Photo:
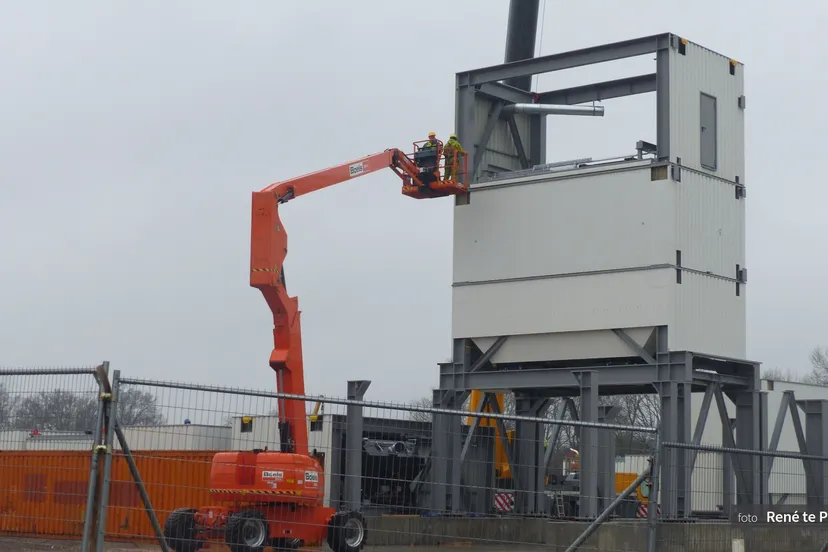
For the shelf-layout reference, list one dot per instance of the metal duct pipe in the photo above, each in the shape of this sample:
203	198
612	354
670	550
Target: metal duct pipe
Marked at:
547	109
520	37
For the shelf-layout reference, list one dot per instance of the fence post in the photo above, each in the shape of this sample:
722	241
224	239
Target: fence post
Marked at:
90	530
142	490
353	444
653	502
110	414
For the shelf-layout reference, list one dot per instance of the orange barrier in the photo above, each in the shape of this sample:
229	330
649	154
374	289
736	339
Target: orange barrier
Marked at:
43	493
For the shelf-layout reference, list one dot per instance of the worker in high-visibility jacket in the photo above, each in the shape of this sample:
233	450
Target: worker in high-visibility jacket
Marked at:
432	141
452	151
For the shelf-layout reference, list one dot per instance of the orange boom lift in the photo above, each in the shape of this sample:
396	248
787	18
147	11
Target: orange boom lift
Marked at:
268	498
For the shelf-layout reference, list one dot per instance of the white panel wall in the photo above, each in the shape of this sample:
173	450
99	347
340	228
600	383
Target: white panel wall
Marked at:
600	301
584	251
710	224
564	225
265	433
178	437
709	317
702	70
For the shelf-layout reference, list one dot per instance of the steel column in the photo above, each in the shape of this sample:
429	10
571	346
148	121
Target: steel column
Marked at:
353	444
529	455
606	464
749	437
588	446
816	436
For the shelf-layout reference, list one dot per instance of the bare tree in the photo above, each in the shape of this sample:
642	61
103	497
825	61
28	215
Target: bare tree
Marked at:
778	374
138	408
61	410
819	367
6	407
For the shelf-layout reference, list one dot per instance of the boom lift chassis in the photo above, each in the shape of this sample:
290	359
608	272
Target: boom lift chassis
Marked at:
276	499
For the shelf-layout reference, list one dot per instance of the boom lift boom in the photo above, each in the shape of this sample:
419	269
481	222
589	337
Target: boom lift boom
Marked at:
270	498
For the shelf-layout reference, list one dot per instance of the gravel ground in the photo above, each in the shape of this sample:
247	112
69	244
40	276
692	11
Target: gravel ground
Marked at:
40	545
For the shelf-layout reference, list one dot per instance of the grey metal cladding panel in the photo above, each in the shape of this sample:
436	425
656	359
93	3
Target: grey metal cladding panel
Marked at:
703	71
565	225
500	153
709	317
710	224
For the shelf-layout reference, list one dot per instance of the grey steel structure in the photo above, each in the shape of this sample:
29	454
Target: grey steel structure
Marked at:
648	368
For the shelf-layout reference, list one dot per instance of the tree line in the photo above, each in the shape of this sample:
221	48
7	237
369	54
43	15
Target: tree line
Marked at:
61	410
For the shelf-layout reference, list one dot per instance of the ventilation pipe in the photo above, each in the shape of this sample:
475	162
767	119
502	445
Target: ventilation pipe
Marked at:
548	109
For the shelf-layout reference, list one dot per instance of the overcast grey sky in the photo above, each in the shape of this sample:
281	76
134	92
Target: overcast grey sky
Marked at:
131	136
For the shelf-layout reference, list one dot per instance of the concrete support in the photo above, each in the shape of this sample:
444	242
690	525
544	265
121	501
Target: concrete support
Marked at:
606	461
529	466
816	438
588	445
353	445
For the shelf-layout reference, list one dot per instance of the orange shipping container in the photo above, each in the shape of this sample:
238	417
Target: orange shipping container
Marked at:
43	493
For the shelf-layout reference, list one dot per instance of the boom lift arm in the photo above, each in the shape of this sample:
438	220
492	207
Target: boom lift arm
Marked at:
422	179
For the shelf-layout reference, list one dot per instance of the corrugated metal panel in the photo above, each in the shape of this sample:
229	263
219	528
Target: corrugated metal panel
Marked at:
565	225
709	317
710	224
501	153
702	70
600	301
44	493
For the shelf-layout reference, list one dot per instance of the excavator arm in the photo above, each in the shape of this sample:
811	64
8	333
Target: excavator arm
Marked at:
268	249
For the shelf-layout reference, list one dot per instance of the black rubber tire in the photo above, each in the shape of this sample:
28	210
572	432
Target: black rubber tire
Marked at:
234	532
180	531
285	545
338	532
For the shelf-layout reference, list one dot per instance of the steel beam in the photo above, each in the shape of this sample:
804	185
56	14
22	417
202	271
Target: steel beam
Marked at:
701	422
567	60
480	145
475	422
483	361
633	346
504	92
353	445
524	161
729	442
540	378
599	91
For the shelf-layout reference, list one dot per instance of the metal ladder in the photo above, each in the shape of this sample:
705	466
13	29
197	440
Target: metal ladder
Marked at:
557	498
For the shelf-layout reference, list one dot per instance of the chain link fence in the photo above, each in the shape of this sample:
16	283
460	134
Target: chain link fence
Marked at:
94	458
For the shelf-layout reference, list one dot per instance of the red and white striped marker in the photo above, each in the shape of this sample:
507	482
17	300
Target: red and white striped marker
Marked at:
642	511
504	502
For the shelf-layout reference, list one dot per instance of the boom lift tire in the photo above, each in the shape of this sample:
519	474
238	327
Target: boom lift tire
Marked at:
247	531
285	545
347	532
180	531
